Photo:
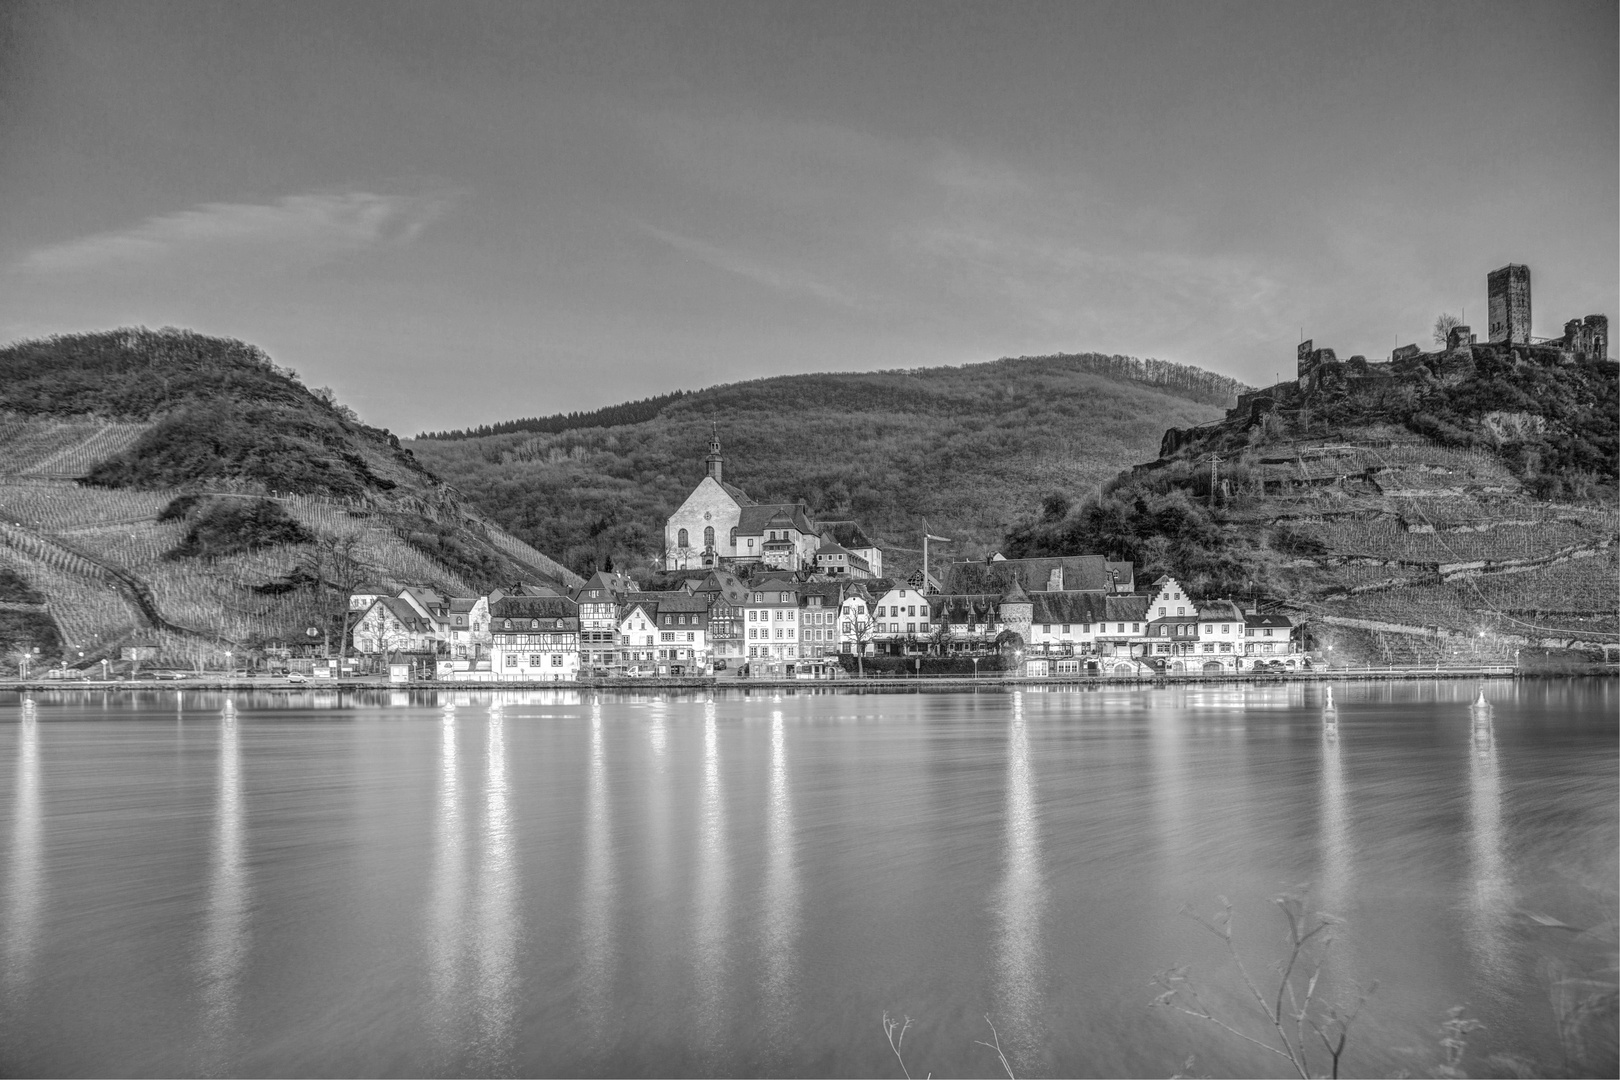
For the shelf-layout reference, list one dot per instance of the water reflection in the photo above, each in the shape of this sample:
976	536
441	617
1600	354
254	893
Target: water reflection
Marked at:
495	993
596	891
1490	899
709	936
26	878
225	933
781	902
447	921
1022	895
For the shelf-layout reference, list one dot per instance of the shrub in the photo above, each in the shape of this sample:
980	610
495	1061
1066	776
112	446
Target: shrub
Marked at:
226	526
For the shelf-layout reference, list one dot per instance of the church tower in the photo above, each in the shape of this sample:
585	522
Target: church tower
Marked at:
1508	298
714	460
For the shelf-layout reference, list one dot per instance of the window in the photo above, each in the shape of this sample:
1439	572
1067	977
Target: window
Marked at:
534	624
506	624
751	614
912	610
1268	631
534	659
1046	628
1226	628
1136	628
680	539
708	536
1209	628
1121	629
1209	648
1161	613
734	536
1181	611
759	598
1065	628
511	660
785	598
461	620
750	543
556	659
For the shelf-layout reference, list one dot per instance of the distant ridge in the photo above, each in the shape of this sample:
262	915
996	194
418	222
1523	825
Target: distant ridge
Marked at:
1184	380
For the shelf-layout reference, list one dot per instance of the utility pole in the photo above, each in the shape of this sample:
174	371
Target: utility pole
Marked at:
1214	471
927	536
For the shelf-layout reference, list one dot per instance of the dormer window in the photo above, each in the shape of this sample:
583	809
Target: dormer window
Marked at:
506	624
534	624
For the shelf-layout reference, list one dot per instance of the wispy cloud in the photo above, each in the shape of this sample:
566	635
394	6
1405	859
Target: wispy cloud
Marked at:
301	229
777	277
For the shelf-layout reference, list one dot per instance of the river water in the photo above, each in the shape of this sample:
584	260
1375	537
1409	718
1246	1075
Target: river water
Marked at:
744	883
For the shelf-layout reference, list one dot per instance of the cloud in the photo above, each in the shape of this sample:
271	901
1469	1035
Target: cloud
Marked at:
775	277
297	229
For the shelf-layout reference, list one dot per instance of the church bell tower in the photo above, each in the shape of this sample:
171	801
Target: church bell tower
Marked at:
714	460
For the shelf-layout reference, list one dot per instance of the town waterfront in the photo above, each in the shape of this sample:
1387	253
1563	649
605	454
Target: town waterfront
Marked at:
567	882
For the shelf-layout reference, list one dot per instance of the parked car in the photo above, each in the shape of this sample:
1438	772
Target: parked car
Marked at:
297	677
171	674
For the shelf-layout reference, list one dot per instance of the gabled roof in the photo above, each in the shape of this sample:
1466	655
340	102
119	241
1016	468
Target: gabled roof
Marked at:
408	616
737	493
725	583
756	518
647	603
964	607
1070	607
1077	573
849	534
829	548
463	604
610	582
534	607
682	603
1220	609
1131	608
1267	620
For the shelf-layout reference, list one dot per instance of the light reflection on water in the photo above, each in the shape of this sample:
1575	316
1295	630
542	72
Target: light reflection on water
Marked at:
27	887
225	935
1022	896
743	883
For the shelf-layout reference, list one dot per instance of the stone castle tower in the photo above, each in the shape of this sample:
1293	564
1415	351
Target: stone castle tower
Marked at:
1508	297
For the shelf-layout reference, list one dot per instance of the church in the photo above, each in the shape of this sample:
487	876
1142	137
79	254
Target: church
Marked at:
719	525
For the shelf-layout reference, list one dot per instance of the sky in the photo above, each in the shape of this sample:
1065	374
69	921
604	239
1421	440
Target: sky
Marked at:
462	213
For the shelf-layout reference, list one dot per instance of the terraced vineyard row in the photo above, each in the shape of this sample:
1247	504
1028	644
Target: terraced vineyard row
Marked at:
90	613
54	506
66	448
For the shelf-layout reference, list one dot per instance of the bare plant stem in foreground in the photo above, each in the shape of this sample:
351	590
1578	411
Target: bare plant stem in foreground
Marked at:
895	1030
996	1046
1296	1014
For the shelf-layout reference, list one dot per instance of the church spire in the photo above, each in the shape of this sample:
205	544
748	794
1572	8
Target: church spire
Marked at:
715	461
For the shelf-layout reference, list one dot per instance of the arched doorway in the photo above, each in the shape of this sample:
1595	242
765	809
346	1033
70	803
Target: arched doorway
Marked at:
1212	666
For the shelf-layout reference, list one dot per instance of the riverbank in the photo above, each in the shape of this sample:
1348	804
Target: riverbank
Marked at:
879	683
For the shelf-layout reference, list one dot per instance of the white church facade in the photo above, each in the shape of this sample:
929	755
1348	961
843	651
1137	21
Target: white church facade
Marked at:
719	524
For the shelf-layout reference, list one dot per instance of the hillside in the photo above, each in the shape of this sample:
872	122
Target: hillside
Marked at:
1459	501
170	486
963	448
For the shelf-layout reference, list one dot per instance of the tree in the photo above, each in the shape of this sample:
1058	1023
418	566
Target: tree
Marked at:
861	628
1443	327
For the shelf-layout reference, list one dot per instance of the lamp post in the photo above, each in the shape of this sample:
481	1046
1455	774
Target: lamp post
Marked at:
104	663
230	666
975	667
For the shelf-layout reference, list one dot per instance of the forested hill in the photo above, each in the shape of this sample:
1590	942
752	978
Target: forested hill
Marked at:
1183	380
964	448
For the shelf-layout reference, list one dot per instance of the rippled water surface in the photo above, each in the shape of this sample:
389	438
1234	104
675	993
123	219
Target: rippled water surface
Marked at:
547	883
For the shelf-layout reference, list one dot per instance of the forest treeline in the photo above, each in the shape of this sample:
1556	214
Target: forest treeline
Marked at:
631	412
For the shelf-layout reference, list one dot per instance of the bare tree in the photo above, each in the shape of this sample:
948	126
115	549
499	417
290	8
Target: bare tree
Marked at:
1443	327
1296	1013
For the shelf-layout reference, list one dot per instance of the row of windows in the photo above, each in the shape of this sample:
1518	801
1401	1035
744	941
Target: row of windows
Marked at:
678	620
535	660
763	652
675	635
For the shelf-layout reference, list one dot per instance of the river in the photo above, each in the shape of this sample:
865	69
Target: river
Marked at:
557	883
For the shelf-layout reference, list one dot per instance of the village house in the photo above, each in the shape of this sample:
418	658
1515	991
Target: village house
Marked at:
1268	637
638	636
771	619
534	638
901	621
1221	635
855	624
683	646
391	625
725	595
599	599
835	560
853	539
820	604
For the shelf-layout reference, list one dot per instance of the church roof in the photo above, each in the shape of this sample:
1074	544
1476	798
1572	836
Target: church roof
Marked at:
757	518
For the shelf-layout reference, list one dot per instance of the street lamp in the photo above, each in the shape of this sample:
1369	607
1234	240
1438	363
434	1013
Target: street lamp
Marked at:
230	666
975	667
